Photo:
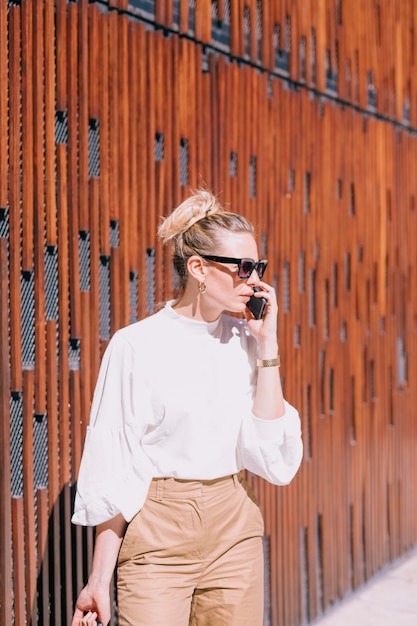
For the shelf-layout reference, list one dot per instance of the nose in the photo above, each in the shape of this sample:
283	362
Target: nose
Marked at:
253	278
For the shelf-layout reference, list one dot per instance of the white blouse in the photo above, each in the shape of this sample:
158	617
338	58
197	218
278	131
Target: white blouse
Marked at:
174	399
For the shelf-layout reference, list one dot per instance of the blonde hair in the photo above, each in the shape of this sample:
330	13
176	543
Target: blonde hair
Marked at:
195	227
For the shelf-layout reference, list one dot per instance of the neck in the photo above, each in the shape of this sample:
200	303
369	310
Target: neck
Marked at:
196	307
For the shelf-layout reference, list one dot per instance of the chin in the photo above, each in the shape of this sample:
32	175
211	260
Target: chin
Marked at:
236	309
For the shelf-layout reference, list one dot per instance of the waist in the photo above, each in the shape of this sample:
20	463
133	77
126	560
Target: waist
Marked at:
164	487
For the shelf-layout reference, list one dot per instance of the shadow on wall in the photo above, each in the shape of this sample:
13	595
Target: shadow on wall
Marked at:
65	555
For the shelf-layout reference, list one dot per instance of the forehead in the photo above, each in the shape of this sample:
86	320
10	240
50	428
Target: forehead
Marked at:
237	245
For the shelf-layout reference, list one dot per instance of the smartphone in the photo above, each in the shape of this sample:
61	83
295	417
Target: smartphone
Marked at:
256	305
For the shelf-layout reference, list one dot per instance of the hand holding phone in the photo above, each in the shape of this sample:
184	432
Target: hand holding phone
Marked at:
256	305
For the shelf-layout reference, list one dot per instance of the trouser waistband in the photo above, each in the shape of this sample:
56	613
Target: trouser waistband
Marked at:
176	487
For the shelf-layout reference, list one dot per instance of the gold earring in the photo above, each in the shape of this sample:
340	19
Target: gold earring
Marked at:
202	288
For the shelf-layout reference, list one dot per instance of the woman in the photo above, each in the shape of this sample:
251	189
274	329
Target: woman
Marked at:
184	400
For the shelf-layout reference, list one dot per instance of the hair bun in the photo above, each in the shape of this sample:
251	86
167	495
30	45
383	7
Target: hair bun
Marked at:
198	206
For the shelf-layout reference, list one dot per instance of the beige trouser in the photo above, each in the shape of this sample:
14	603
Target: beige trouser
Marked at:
193	556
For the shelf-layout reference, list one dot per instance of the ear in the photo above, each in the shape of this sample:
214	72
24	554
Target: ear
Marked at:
196	268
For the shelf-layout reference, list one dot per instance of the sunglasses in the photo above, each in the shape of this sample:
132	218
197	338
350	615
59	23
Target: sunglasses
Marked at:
246	266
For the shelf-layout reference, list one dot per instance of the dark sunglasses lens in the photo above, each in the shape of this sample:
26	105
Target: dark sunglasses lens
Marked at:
246	269
261	268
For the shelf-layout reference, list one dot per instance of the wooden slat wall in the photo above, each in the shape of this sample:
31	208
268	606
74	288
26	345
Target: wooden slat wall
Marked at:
105	122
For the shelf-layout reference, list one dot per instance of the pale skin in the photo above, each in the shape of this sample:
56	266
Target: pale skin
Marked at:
225	291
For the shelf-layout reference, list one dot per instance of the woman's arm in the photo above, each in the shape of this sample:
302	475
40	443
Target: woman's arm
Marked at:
268	401
93	603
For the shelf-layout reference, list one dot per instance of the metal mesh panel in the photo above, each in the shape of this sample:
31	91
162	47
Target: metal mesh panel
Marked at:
191	17
114	234
84	251
133	297
104	297
312	298
145	8
159	147
61	127
307	192
233	164
302	58
286	286
16	444
74	354
246	30
184	162
291	180
252	177
401	363
40	451
281	55
150	280
301	271
264	245
259	28
267	581
220	29
313	55
51	283
304	575
28	320
94	148
4	223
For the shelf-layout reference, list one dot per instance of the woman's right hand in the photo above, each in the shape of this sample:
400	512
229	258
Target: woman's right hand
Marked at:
92	607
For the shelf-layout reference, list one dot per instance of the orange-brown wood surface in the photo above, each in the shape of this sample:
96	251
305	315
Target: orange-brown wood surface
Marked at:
301	117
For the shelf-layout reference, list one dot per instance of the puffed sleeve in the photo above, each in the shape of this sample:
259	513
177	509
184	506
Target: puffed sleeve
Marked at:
272	449
115	472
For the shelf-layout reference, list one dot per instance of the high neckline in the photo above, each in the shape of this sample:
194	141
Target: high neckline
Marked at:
197	325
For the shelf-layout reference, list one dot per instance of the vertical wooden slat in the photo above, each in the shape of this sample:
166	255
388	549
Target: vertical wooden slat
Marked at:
38	216
73	198
14	198
50	192
3	104
27	134
19	606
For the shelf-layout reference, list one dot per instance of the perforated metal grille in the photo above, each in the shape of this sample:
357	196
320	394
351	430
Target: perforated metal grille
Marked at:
51	283
307	192
267	581
220	28
28	320
301	271
252	177
74	354
184	162
84	251
159	147
94	148
191	17
104	297
114	234
150	280
246	30
40	451
312	297
133	297
4	223
233	164
16	444
286	286
61	127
